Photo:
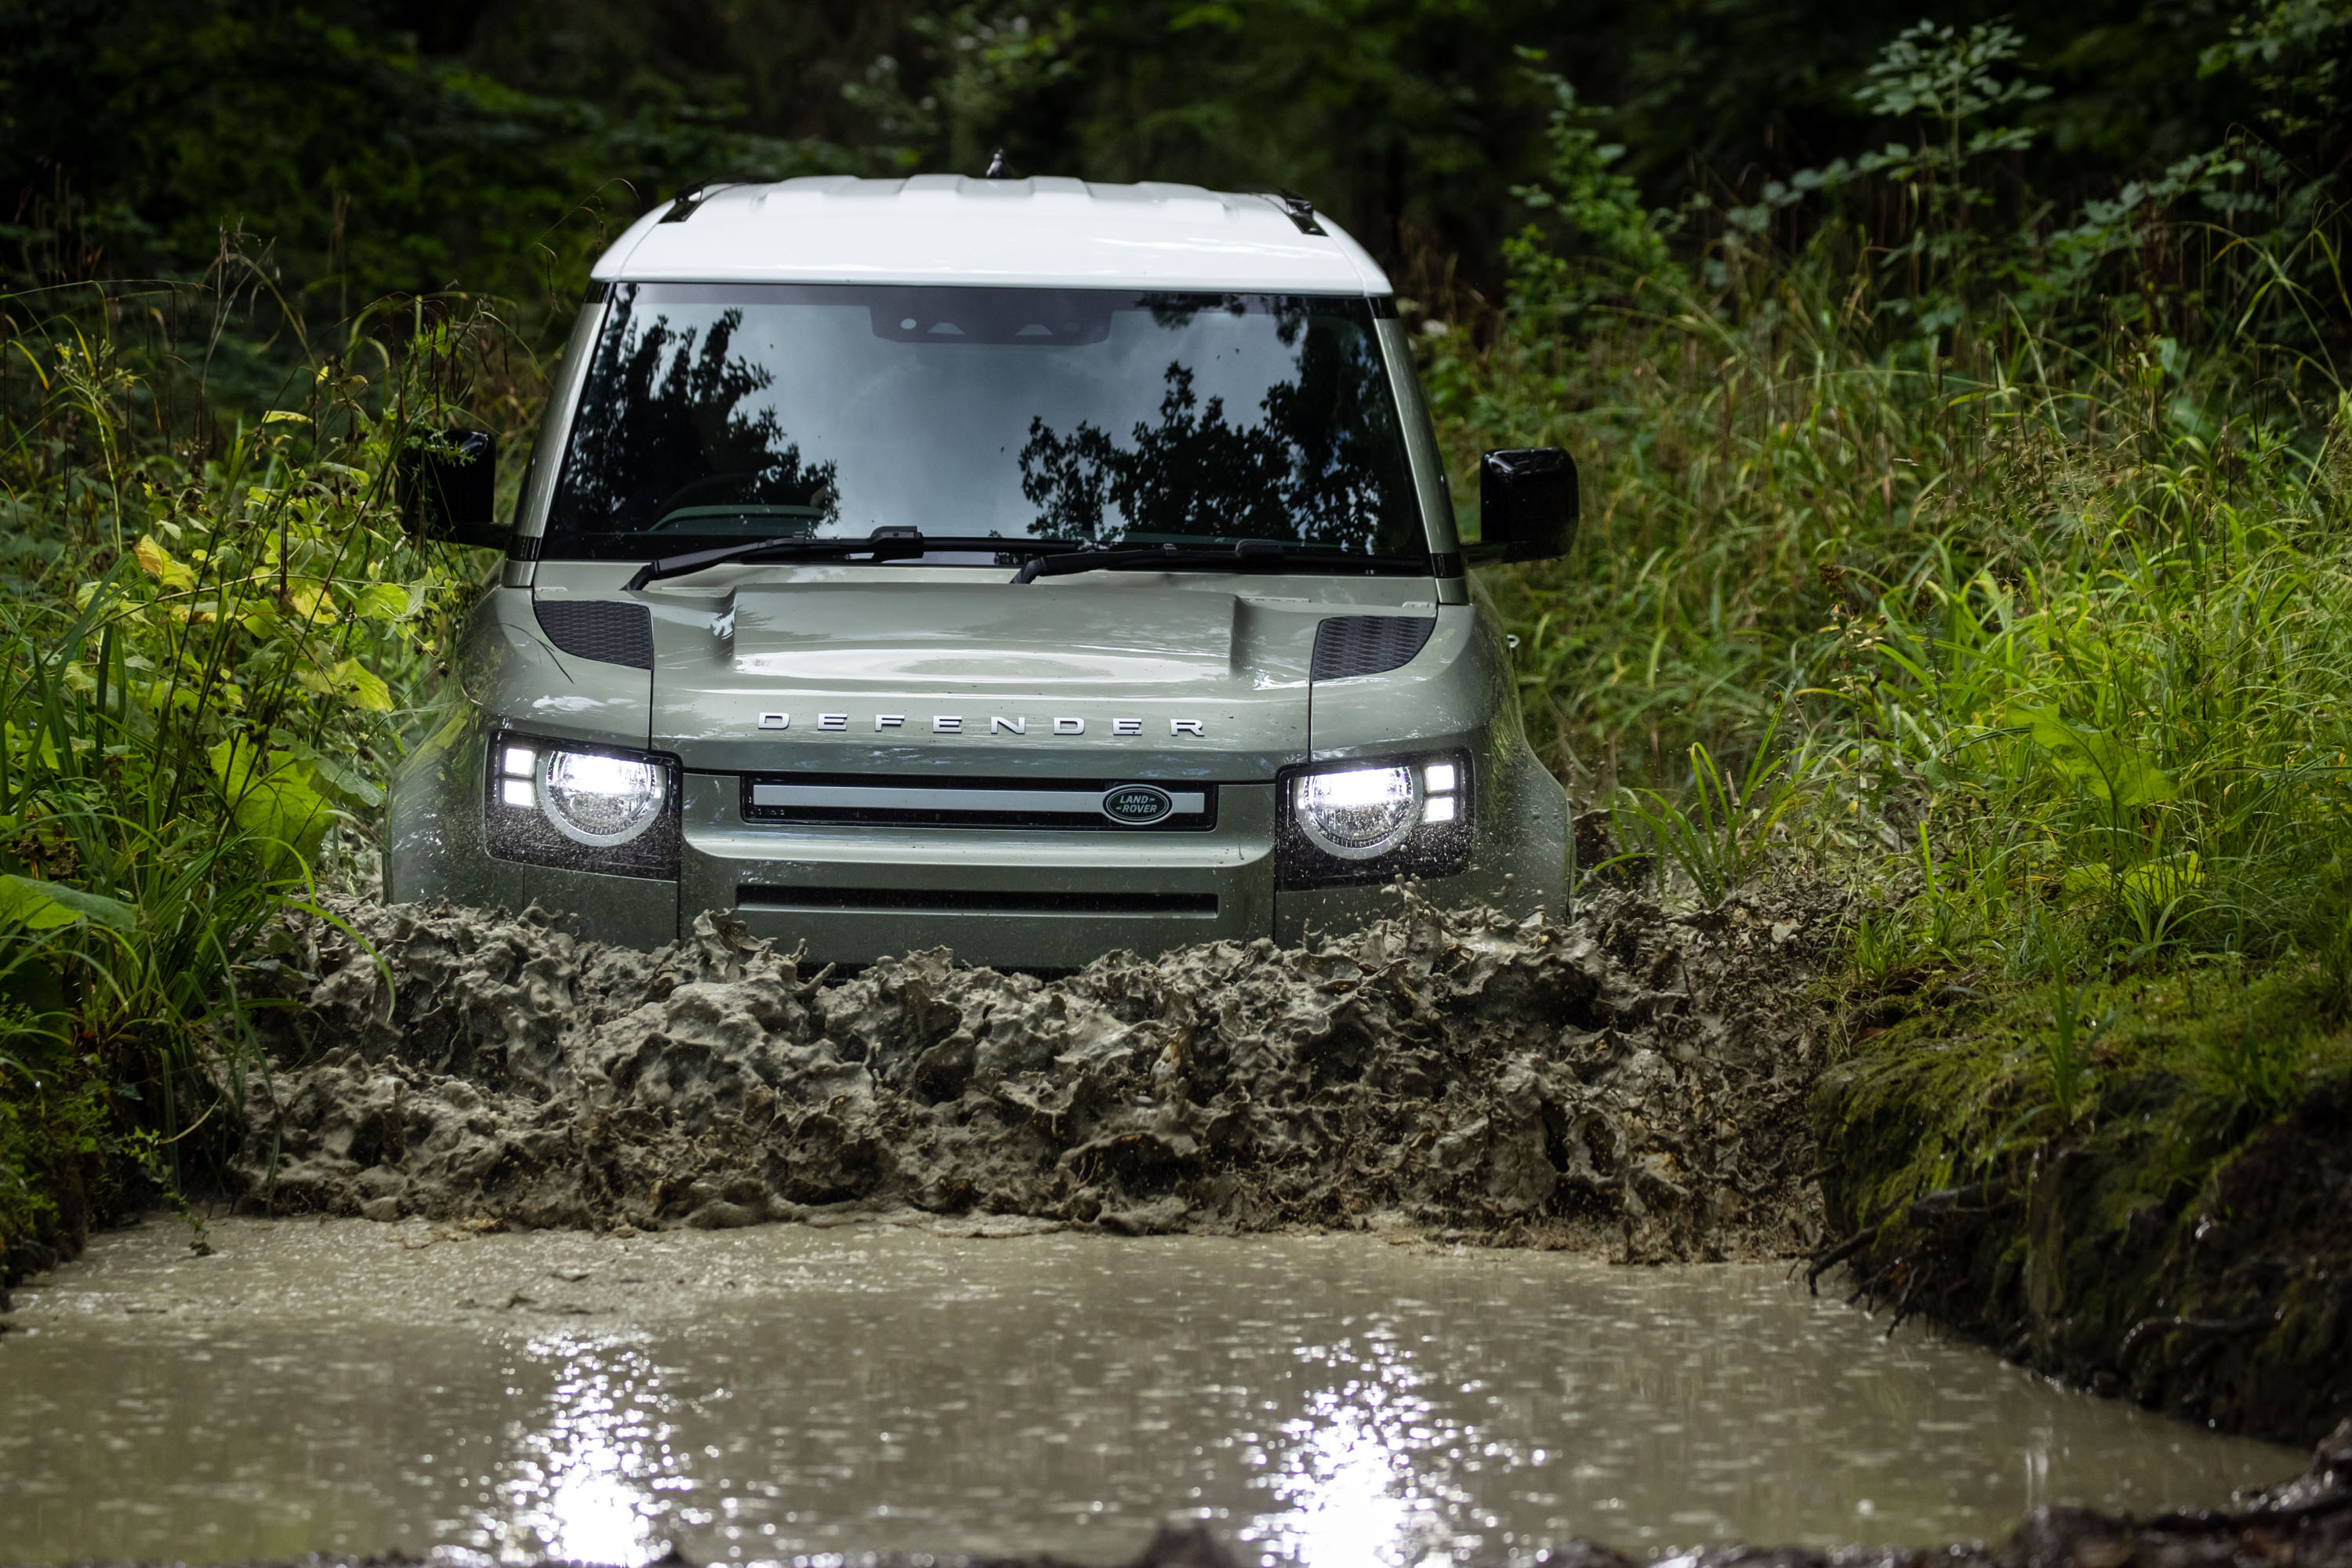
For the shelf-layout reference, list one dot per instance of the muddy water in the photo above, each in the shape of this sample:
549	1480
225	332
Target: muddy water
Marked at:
756	1393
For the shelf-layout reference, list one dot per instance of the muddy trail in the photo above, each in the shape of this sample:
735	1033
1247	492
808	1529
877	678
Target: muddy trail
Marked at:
1630	1081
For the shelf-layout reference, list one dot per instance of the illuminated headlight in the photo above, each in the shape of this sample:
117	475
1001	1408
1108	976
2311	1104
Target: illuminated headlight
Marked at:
601	800
1359	813
1371	820
550	803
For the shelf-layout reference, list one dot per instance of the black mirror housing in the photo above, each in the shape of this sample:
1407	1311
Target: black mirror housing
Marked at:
1527	505
449	487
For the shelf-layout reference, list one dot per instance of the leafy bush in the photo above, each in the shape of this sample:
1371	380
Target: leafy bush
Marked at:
205	662
1985	555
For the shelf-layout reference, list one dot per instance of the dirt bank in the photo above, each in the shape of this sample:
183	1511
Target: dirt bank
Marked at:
1629	1081
2123	1258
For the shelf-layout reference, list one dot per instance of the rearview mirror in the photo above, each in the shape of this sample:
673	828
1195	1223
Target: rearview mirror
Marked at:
448	490
1527	505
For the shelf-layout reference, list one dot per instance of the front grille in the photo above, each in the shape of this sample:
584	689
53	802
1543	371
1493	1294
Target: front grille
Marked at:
972	902
1064	805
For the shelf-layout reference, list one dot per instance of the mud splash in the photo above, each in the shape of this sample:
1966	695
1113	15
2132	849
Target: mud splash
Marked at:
1630	1083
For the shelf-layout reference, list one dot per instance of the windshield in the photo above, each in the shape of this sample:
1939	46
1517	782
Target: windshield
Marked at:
714	415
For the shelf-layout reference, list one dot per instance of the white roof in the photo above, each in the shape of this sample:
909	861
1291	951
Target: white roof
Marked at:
944	228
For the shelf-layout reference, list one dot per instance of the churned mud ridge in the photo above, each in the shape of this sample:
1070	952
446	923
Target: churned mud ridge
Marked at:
1629	1081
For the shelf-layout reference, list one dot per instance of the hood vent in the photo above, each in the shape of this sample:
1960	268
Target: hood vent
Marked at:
1368	644
602	629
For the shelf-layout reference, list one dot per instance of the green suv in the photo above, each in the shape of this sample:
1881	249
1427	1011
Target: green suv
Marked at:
1026	566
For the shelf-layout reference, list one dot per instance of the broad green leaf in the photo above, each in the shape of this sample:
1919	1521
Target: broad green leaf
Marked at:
159	564
2092	758
332	777
363	688
2153	882
44	905
278	803
312	603
2161	881
381	602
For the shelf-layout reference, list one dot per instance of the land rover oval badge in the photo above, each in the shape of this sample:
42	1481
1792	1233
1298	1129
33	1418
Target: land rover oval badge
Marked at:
1137	805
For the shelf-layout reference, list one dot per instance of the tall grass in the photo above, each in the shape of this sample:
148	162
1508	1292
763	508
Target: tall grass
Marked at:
2063	567
2012	590
213	628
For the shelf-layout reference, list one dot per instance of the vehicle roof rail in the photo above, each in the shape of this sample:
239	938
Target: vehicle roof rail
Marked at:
687	200
1295	207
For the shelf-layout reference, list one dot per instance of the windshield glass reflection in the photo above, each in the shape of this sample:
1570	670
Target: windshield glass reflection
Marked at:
716	415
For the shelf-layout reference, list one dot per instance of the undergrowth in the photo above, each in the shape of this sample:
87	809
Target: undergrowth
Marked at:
211	632
1986	557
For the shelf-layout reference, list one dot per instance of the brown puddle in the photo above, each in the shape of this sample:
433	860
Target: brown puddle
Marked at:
757	1393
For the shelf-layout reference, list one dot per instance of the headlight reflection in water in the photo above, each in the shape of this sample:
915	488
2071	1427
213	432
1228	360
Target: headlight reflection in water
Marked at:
1362	1472
583	1483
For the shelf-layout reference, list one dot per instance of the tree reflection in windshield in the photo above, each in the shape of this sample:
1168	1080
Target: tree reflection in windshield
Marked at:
661	412
714	412
1319	468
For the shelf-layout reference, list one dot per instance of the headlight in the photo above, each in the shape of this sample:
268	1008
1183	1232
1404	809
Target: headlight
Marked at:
1369	821
1359	813
551	803
601	800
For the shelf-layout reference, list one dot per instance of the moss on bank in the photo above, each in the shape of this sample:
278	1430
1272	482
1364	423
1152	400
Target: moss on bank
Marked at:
2143	1186
62	1171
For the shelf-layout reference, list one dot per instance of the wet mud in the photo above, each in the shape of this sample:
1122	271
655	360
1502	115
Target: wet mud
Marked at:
1630	1081
2226	1302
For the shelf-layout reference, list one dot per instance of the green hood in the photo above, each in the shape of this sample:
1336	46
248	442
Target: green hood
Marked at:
1097	677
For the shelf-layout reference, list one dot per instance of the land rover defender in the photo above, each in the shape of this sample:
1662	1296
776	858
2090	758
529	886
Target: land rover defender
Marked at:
1031	567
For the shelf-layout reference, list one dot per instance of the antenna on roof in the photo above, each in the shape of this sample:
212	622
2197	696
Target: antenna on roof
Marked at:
996	166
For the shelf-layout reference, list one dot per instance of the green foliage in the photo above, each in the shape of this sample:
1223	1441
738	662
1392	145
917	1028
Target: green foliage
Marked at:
2021	517
136	132
1721	837
2251	1073
54	1135
202	687
1605	241
993	62
2294	50
2064	1054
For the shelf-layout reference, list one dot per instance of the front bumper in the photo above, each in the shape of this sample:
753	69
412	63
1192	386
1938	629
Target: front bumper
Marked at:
1010	898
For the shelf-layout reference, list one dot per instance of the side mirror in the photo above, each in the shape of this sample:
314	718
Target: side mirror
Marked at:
448	490
1527	505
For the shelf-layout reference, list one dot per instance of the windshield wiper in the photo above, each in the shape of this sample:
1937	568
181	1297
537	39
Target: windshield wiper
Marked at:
1243	554
883	544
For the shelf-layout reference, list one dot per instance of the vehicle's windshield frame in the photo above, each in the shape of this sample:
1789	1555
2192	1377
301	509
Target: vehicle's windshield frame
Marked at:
1400	546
